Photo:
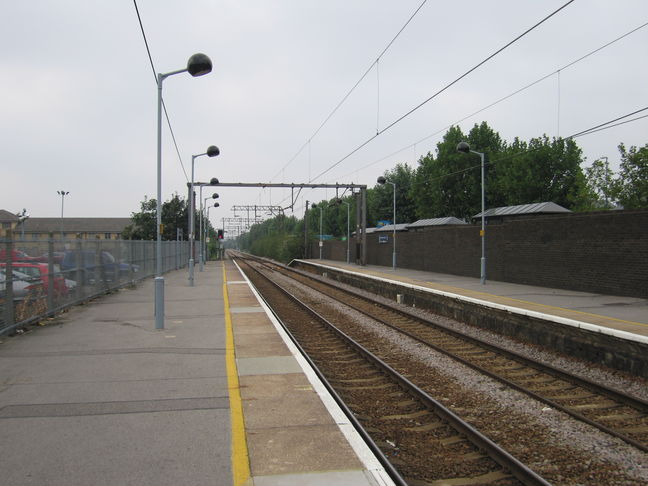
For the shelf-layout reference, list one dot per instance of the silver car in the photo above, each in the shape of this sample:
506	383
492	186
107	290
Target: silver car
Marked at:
23	284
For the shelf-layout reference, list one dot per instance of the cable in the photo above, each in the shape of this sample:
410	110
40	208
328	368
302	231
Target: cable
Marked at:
166	114
500	100
346	96
401	118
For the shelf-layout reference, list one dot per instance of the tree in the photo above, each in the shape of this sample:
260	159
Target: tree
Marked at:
174	215
382	199
600	184
631	188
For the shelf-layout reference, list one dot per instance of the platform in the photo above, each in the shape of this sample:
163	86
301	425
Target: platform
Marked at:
99	396
625	314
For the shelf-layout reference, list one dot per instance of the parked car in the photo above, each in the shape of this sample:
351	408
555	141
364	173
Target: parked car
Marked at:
40	271
89	270
16	256
23	284
57	257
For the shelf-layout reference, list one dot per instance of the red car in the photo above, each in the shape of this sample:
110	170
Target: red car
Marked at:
16	256
40	271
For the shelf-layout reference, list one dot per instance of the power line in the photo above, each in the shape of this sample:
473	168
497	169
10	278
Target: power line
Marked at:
346	96
446	87
166	114
504	98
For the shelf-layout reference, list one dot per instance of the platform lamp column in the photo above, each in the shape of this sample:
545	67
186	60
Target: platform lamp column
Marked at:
203	205
382	180
465	148
62	194
321	243
212	151
198	65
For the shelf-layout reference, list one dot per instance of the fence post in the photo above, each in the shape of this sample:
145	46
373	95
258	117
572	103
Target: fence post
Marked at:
9	304
80	281
118	263
50	272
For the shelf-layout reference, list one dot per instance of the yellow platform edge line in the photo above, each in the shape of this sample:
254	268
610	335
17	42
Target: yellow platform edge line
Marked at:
240	458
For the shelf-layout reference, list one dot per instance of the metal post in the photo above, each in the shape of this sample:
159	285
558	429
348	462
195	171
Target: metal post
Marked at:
363	198
191	225
159	279
321	242
348	205
50	273
482	277
9	317
394	236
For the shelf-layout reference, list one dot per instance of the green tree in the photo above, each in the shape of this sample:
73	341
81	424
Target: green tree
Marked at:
600	184
631	188
174	215
382	198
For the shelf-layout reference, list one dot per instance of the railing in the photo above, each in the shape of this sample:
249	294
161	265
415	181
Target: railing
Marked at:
40	278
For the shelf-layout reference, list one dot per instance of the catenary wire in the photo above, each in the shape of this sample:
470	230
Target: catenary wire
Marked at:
504	98
346	96
446	87
166	114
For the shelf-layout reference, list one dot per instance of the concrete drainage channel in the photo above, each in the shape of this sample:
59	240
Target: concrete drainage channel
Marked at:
591	345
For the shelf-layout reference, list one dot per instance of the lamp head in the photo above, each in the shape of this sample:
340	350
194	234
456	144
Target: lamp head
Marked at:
381	180
314	206
213	181
213	151
215	196
216	205
199	64
463	147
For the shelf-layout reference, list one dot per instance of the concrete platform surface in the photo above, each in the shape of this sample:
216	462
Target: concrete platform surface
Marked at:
218	397
628	314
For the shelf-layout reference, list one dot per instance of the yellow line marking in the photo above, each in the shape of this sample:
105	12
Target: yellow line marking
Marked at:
240	459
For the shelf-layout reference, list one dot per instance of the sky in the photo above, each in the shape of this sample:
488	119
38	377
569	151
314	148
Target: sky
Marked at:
79	98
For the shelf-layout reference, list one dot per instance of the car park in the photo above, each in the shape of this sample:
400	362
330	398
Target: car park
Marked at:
15	256
93	267
23	284
40	271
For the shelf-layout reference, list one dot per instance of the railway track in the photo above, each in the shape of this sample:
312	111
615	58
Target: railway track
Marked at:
612	411
419	437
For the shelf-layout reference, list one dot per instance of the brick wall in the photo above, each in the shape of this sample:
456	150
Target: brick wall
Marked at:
602	252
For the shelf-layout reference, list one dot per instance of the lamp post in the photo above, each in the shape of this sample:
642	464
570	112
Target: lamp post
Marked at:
212	151
320	231
62	194
382	180
465	148
206	230
198	65
348	205
203	204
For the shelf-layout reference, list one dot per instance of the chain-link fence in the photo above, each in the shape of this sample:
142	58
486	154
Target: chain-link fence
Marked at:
39	278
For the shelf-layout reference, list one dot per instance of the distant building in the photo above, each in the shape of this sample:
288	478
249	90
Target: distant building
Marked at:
507	212
36	229
8	221
434	222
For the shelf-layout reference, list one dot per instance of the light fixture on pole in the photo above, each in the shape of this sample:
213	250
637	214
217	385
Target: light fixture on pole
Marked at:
206	230
348	234
198	65
382	180
212	151
465	148
62	194
203	204
321	243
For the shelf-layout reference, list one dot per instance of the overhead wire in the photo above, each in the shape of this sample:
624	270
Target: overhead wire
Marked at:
166	114
346	96
504	98
445	88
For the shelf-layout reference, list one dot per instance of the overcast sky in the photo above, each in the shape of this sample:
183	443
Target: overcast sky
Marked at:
79	97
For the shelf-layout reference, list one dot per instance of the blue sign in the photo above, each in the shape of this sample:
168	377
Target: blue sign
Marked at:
383	238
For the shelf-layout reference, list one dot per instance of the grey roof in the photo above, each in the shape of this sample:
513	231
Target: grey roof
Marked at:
390	227
534	208
76	225
436	222
6	216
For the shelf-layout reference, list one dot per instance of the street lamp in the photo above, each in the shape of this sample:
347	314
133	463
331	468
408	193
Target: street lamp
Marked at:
198	65
212	151
62	194
321	244
203	204
465	148
348	205
206	230
382	180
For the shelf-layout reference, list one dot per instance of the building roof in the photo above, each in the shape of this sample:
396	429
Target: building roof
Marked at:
77	225
534	208
390	227
435	222
6	216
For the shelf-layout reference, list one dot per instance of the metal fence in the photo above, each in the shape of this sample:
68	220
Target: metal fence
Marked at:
40	278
